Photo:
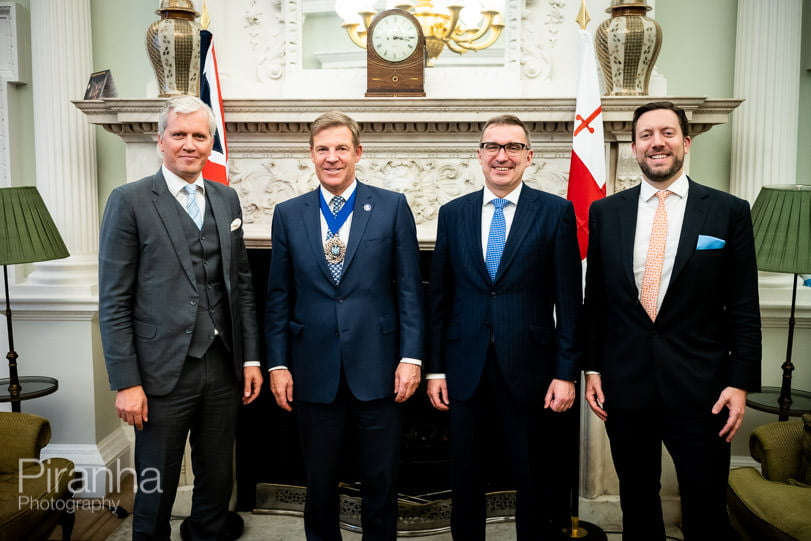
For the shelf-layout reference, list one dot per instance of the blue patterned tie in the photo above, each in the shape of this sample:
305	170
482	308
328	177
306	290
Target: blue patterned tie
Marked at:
335	268
191	205
497	237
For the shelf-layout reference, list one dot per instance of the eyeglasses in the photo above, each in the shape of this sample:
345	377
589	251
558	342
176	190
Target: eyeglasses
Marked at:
510	148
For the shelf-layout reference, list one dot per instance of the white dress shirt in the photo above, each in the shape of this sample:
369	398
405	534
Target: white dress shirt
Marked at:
675	204
177	185
488	210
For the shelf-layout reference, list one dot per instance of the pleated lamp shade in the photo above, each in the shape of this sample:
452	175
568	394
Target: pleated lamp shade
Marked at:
781	217
27	232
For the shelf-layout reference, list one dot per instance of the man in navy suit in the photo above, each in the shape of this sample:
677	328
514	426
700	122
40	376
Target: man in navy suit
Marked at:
506	296
178	323
344	328
674	339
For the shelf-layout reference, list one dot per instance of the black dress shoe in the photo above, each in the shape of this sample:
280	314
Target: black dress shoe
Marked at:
234	526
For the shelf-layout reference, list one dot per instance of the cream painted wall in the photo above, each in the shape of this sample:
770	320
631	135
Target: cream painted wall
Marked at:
119	30
804	136
21	124
697	58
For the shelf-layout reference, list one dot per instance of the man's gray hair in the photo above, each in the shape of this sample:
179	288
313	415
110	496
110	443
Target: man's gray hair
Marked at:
185	104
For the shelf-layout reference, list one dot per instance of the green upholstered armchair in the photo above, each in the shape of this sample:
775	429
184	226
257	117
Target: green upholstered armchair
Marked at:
33	495
777	504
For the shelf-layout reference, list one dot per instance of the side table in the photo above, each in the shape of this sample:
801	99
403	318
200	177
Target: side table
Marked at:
766	400
30	387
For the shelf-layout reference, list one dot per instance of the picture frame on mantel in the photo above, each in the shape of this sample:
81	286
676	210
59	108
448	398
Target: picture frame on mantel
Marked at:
100	85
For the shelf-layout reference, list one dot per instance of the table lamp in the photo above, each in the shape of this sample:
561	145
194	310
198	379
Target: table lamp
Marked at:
27	235
781	217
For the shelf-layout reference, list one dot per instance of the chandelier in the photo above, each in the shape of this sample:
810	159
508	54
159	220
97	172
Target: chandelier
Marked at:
462	25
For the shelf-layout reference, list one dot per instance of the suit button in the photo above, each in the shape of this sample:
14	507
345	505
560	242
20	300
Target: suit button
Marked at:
340	300
492	293
203	237
193	302
188	331
337	333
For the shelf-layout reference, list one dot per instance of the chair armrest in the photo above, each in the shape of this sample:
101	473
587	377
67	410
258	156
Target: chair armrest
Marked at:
778	448
23	435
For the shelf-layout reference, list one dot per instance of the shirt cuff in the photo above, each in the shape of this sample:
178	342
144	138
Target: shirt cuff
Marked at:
434	376
590	372
251	363
409	360
280	367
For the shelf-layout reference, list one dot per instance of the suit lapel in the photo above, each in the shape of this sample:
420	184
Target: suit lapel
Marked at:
471	228
222	220
526	212
311	222
167	207
360	217
695	212
626	233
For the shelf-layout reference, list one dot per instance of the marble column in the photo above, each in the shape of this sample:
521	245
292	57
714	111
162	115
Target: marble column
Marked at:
65	145
767	76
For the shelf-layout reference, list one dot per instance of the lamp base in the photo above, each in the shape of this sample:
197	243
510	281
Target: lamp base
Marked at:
583	530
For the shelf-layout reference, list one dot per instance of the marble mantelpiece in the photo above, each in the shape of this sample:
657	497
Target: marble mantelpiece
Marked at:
425	148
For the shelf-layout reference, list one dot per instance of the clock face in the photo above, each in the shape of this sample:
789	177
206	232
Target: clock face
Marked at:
395	37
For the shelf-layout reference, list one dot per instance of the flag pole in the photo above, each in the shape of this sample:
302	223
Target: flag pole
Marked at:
579	529
205	20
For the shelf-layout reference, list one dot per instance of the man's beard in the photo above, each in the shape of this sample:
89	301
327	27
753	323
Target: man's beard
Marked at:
661	175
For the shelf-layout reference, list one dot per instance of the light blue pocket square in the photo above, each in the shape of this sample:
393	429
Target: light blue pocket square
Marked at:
708	242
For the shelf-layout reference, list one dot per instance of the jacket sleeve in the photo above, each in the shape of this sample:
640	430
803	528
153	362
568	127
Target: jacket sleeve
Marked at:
118	269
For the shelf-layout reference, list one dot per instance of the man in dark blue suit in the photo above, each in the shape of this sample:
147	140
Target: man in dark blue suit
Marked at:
344	324
674	339
506	296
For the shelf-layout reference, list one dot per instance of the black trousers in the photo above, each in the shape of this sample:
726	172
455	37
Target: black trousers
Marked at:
375	428
530	444
203	406
702	461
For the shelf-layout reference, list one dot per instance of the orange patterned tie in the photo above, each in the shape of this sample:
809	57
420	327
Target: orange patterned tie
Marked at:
649	295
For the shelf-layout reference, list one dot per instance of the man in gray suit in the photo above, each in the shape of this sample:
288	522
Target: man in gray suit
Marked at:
178	323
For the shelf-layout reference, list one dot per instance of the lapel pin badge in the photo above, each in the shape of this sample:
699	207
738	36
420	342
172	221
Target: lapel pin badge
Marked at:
367	207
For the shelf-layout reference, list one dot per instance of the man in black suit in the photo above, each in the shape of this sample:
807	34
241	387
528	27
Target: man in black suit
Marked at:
344	324
506	296
178	323
673	330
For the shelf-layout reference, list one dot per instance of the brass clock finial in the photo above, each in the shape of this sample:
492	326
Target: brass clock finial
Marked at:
582	15
204	19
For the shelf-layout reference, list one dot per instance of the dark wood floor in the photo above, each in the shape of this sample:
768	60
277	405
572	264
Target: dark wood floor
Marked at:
97	524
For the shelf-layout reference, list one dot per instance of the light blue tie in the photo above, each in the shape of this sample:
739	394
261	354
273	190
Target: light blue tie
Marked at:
497	237
335	268
191	205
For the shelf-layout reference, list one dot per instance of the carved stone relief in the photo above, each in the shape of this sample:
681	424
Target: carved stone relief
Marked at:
428	182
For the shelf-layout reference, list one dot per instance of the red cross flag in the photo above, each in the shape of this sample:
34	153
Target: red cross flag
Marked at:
587	168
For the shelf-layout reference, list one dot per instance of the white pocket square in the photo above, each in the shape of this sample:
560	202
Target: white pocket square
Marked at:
235	224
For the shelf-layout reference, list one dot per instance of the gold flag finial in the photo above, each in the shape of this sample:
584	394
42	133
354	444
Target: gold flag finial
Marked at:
204	20
582	15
